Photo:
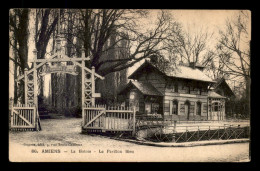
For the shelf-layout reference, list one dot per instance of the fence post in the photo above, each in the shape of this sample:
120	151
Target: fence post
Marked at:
133	133
218	132
186	133
11	115
175	124
34	117
174	131
198	135
209	133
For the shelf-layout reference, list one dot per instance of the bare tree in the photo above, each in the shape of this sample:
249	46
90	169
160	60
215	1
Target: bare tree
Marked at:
234	49
213	66
46	21
191	46
234	46
97	26
64	87
18	25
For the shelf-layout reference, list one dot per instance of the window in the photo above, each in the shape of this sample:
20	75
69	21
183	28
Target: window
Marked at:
170	87
185	89
176	87
174	107
141	107
189	89
155	108
151	108
137	106
198	111
132	95
187	109
147	108
215	107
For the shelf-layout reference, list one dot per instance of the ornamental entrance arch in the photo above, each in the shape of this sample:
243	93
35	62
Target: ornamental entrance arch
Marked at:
55	64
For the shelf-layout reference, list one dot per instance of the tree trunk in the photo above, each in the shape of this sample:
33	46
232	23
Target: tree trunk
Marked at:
15	70
22	39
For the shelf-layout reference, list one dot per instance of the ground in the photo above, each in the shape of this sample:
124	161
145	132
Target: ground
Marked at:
62	140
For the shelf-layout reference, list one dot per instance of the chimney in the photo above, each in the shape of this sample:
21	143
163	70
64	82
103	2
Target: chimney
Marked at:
192	64
147	59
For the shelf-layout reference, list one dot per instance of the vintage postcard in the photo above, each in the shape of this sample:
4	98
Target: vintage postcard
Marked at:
129	85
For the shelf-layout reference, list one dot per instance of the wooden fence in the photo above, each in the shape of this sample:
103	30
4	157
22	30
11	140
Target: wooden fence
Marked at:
23	117
101	118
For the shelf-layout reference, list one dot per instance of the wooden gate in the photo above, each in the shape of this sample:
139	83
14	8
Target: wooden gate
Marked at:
24	117
108	119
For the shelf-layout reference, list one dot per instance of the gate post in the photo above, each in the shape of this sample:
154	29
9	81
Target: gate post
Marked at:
83	87
26	86
93	85
35	100
35	94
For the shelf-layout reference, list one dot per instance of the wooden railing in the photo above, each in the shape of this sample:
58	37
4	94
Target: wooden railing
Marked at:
199	133
148	121
220	133
183	118
109	118
23	117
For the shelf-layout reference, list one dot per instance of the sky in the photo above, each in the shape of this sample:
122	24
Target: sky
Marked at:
191	20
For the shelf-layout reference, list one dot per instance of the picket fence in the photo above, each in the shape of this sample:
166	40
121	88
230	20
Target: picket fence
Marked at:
101	118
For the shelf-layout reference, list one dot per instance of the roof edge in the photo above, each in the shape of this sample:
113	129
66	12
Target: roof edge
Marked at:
148	63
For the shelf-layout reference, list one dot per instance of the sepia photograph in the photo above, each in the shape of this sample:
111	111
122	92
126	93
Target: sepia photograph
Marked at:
129	85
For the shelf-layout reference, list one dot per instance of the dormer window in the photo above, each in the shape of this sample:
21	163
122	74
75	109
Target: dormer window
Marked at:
176	87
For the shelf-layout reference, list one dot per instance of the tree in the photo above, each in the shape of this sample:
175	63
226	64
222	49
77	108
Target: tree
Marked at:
46	21
97	26
213	66
45	24
191	46
234	49
18	22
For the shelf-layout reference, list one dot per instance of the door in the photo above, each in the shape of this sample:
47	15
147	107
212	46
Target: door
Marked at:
187	110
198	108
